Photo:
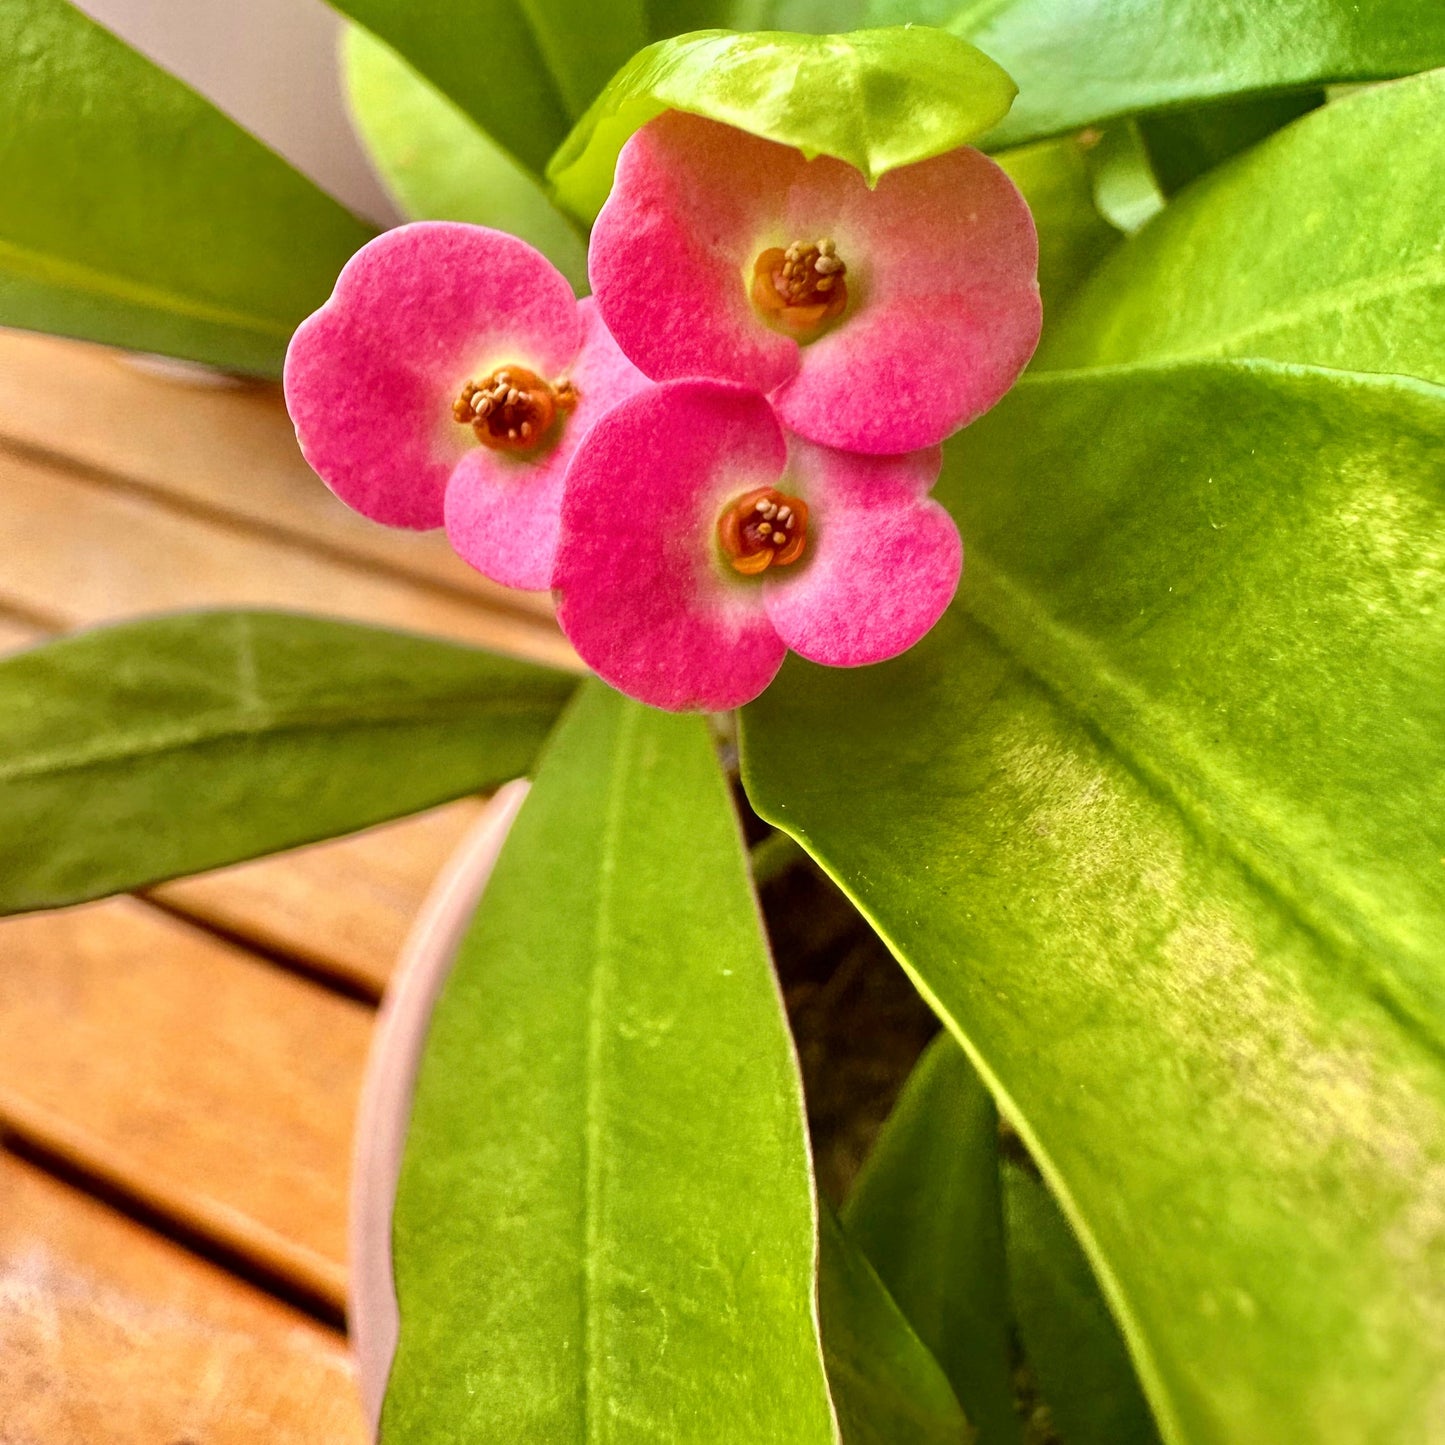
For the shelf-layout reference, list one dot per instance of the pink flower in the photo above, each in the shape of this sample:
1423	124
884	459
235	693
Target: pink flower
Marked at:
878	320
449	379
700	542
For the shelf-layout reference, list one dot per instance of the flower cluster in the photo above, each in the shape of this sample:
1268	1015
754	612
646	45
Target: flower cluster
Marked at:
726	451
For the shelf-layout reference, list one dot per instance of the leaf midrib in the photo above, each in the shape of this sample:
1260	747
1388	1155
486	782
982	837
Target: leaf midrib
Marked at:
321	721
598	998
60	273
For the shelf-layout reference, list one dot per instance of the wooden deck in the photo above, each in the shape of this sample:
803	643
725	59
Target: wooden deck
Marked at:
179	1071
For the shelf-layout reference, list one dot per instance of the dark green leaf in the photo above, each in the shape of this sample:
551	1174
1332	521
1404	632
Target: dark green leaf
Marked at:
1072	1344
1322	245
1183	144
877	99
523	69
1156	817
151	749
439	165
604	1227
887	1388
135	213
926	1212
1079	62
1054	178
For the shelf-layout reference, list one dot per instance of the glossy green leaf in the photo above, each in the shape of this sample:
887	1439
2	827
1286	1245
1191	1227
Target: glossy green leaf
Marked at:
605	1224
151	749
133	212
1054	177
1072	1344
1183	144
1080	62
1155	817
1309	248
877	99
523	69
440	165
926	1212
887	1388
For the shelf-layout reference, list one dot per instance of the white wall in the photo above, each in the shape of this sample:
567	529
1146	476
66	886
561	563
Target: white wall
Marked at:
269	64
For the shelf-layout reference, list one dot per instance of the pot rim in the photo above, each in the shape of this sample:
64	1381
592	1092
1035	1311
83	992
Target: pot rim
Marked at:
392	1062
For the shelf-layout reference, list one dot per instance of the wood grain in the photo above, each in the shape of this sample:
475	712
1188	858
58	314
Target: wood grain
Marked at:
199	1079
111	1335
342	908
188	1073
229	448
81	553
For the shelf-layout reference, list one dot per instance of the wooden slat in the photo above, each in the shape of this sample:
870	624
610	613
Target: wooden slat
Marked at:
230	449
202	1080
109	1333
342	907
15	633
82	554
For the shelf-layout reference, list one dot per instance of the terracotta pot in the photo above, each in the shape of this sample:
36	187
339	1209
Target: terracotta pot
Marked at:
426	959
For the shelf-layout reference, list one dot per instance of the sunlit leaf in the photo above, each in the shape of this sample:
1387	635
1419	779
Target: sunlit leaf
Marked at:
877	99
1155	816
605	1221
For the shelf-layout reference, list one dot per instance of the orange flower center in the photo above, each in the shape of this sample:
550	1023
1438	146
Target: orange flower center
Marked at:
802	289
761	529
513	409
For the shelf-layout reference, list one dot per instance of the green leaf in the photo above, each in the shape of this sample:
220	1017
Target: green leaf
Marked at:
926	1212
887	1388
1155	817
1125	188
524	70
1068	1335
1183	144
1081	62
877	99
136	214
604	1227
439	165
1342	257
1054	177
151	749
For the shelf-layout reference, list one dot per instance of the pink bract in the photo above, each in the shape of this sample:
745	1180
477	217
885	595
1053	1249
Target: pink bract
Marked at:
370	380
646	595
942	259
